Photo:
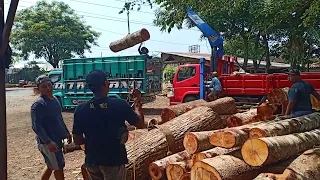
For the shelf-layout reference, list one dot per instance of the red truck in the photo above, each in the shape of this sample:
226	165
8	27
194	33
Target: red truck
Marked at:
186	84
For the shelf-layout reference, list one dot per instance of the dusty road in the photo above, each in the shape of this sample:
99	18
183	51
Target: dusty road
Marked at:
24	160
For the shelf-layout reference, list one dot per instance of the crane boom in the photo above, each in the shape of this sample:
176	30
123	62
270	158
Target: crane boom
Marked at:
214	38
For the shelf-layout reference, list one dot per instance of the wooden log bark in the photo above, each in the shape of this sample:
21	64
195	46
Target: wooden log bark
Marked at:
130	40
168	137
288	126
222	106
228	138
177	171
217	151
195	142
268	150
135	134
224	167
157	168
241	118
305	167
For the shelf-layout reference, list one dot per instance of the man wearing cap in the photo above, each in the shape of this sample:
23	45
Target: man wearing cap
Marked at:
100	125
215	87
50	129
299	95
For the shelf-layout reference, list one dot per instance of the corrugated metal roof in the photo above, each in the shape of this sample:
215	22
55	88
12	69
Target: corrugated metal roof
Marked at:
315	65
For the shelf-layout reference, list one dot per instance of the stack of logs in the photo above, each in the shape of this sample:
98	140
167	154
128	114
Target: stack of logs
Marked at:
262	150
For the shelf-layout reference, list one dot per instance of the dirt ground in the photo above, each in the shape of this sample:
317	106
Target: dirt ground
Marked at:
24	160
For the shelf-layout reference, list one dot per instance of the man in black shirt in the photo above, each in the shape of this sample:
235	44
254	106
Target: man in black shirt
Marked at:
100	125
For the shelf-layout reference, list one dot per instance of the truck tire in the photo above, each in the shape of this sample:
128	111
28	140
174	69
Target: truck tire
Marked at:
190	98
60	101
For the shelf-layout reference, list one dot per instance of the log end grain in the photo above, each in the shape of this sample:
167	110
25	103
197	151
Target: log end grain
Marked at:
256	133
155	171
223	139
255	152
234	121
176	171
203	171
190	142
167	115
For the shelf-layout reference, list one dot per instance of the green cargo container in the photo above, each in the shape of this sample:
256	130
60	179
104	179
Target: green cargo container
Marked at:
125	73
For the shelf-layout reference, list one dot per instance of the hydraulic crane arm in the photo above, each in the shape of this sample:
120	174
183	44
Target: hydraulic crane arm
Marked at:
214	38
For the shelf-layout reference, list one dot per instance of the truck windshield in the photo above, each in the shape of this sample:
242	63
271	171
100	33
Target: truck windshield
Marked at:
55	77
186	73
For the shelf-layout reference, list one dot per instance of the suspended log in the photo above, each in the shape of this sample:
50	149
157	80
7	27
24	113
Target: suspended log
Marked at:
305	167
157	168
241	118
130	40
177	171
167	139
288	126
224	167
222	106
217	151
195	142
268	150
228	138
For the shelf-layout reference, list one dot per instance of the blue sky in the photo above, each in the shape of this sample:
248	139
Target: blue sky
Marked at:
103	16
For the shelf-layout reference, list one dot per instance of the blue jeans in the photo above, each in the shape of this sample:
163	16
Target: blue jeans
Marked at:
299	113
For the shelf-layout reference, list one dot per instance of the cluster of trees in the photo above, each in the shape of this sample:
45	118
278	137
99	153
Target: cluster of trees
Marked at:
252	29
52	31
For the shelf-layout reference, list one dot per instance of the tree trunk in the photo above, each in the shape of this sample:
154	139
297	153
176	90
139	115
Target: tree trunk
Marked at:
157	168
264	151
195	142
246	52
167	138
241	118
176	171
222	106
305	167
130	40
217	151
224	167
174	111
228	138
266	45
288	126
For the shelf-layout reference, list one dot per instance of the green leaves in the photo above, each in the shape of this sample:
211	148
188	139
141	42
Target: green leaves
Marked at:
51	31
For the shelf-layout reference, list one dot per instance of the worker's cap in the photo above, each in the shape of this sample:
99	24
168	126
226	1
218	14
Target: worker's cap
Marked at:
96	78
41	79
214	73
293	72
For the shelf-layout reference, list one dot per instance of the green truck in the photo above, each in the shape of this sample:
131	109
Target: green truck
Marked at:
125	73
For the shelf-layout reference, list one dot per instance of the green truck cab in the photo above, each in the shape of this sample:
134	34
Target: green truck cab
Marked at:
125	74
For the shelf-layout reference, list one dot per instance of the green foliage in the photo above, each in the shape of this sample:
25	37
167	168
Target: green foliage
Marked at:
51	31
168	74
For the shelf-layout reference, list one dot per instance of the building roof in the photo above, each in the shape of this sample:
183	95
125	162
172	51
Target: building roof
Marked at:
314	65
240	60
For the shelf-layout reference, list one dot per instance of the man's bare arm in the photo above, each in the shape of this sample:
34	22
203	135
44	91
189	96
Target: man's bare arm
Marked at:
290	106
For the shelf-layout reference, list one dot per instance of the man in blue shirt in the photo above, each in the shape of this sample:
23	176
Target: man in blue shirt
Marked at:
215	87
50	129
299	95
99	124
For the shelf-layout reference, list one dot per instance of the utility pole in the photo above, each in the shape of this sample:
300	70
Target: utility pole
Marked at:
127	6
5	30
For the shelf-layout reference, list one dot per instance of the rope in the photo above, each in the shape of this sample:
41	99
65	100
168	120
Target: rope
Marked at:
134	149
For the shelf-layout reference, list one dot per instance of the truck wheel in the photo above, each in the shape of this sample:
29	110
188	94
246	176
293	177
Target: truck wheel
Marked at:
190	98
60	101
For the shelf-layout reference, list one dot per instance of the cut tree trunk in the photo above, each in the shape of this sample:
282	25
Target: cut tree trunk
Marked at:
224	167
265	111
135	134
241	118
315	103
177	171
130	40
228	138
167	138
157	168
217	151
268	150
222	106
288	126
195	142
305	167
277	96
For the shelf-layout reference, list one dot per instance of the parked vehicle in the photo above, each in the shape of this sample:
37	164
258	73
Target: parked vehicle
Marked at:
125	74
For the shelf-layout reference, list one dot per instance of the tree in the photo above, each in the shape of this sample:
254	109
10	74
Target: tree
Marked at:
51	31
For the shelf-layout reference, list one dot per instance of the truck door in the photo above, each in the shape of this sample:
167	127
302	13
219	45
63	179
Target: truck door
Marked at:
187	81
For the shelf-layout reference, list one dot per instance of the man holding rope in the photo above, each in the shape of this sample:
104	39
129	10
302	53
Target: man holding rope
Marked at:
100	125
